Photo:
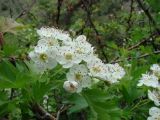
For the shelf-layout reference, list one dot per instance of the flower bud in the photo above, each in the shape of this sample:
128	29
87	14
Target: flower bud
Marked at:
70	86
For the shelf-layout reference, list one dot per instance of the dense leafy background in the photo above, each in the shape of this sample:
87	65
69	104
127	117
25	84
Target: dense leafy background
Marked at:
120	30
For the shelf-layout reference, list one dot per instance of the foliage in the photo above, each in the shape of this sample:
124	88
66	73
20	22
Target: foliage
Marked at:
121	32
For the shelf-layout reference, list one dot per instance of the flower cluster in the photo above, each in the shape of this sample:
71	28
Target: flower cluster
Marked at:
152	80
76	54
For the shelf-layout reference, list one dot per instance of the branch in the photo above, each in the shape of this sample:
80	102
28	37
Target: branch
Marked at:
142	56
26	10
101	46
146	11
40	113
130	16
1	40
59	4
70	11
59	112
144	40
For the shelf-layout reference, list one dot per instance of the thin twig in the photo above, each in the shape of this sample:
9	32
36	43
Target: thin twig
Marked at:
1	40
146	11
130	16
70	11
142	56
12	94
101	46
26	10
144	40
59	112
59	4
40	112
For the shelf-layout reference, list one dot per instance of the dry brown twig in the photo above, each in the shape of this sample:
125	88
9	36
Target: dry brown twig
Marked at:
41	113
59	4
26	10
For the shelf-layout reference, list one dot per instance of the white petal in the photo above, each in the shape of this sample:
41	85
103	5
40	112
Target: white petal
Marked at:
154	111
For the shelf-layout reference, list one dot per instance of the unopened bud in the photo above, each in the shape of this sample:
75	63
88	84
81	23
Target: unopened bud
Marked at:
70	86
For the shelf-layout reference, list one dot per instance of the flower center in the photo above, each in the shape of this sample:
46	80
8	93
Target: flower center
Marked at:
79	50
78	76
68	56
96	69
50	43
43	57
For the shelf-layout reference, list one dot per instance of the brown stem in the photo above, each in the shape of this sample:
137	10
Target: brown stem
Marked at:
1	40
70	11
41	113
26	10
59	4
130	16
144	40
142	56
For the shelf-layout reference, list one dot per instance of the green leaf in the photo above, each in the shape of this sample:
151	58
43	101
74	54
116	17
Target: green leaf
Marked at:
105	107
11	77
154	4
78	102
39	89
7	75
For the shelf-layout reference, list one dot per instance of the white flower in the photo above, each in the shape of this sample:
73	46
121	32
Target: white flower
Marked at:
149	80
156	69
114	72
70	86
108	72
154	96
66	56
43	58
79	73
83	49
97	68
154	113
118	71
67	42
50	42
53	33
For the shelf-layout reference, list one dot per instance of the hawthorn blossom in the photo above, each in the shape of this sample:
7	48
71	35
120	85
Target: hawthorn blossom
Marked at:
67	57
149	80
53	33
43	58
156	70
114	72
154	113
154	96
70	86
76	54
97	68
108	72
50	42
83	49
79	73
